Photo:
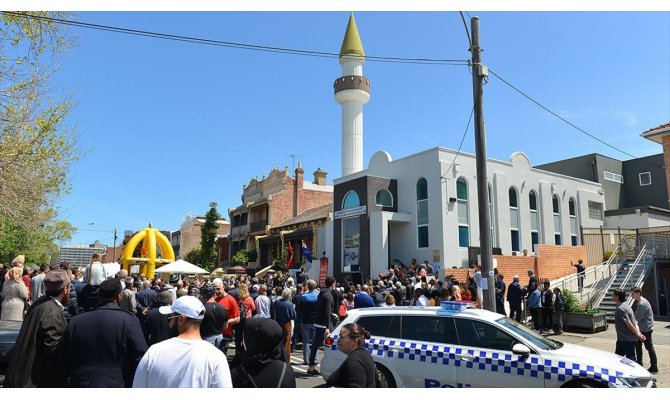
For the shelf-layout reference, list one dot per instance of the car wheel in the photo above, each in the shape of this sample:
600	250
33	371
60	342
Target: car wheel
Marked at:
583	383
384	377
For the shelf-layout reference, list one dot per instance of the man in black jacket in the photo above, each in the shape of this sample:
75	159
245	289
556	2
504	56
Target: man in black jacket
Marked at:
324	321
547	307
32	362
515	298
110	343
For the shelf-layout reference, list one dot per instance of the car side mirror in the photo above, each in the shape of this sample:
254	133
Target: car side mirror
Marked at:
521	350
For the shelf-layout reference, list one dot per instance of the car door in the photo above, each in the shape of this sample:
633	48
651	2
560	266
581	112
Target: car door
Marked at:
423	352
485	358
384	336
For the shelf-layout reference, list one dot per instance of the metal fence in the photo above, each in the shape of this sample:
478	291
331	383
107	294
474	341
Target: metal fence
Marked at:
600	243
656	239
594	280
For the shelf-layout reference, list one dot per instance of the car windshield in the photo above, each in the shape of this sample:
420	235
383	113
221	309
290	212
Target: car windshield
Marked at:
528	334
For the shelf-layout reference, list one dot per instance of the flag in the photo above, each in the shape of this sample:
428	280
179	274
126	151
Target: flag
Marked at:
289	262
306	252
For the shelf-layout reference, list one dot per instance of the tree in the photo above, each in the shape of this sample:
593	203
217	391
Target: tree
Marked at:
194	257
208	237
241	257
38	245
37	147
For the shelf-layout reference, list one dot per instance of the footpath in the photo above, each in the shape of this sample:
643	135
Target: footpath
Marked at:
606	341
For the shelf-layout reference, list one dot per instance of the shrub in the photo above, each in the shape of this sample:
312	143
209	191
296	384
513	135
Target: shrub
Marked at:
607	255
571	302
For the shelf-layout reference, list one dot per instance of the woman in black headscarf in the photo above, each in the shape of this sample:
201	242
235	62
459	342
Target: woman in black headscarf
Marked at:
263	365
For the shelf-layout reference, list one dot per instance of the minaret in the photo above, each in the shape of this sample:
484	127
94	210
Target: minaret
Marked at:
352	90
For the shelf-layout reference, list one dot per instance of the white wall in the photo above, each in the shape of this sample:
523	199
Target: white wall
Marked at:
432	164
633	221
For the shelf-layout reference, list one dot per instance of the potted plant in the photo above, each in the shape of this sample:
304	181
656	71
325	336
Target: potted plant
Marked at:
579	319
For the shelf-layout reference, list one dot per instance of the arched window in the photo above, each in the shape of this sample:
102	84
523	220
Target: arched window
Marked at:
351	200
514	219
556	205
463	215
492	217
384	198
573	221
534	219
422	212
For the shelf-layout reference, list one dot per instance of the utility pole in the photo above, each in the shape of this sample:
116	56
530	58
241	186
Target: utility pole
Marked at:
479	72
114	251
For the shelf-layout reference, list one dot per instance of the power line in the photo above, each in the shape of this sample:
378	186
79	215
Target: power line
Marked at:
565	120
465	25
460	145
244	46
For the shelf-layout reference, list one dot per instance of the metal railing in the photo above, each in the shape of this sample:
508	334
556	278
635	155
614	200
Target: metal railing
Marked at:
633	267
595	278
258	225
604	283
599	296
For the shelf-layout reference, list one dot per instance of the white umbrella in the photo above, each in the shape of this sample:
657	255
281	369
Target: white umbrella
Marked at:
180	267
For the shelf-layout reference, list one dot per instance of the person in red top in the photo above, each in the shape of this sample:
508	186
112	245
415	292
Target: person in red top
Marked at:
26	281
230	303
246	300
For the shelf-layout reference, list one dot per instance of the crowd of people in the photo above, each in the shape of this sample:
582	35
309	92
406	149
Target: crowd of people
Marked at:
89	329
140	332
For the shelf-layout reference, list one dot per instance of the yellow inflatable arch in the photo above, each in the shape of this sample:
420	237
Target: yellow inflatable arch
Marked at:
150	237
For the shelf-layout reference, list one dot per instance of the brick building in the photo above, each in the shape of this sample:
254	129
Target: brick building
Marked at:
270	202
188	236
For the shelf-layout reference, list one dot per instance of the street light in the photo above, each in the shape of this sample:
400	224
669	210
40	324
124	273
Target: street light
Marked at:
113	251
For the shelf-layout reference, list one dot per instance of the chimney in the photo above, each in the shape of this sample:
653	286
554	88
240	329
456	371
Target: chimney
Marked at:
297	187
320	177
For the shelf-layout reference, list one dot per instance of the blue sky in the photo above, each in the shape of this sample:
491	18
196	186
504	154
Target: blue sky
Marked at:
171	126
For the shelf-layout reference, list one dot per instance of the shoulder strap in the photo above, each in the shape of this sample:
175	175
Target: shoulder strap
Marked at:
281	377
246	375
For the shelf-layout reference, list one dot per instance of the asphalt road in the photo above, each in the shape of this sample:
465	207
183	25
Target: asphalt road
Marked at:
607	341
303	380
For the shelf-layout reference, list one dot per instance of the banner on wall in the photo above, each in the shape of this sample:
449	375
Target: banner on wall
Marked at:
323	271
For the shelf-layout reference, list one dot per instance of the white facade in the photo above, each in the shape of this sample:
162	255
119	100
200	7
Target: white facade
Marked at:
352	101
641	217
394	235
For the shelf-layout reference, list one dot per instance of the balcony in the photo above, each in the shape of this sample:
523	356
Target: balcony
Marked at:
258	225
239	230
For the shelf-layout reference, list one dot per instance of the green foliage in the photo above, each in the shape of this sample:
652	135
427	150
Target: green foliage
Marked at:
571	302
208	237
194	257
37	147
607	255
243	257
38	245
253	255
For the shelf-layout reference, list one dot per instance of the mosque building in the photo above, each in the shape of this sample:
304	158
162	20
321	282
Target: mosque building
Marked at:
424	205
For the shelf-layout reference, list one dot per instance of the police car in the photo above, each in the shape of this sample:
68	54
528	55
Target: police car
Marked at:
431	347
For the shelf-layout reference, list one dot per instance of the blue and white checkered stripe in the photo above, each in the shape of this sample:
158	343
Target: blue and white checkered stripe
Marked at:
547	369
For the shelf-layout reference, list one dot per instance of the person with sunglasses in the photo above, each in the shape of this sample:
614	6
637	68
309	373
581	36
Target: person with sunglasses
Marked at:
185	360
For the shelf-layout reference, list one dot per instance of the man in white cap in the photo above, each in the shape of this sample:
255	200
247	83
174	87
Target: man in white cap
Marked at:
186	360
